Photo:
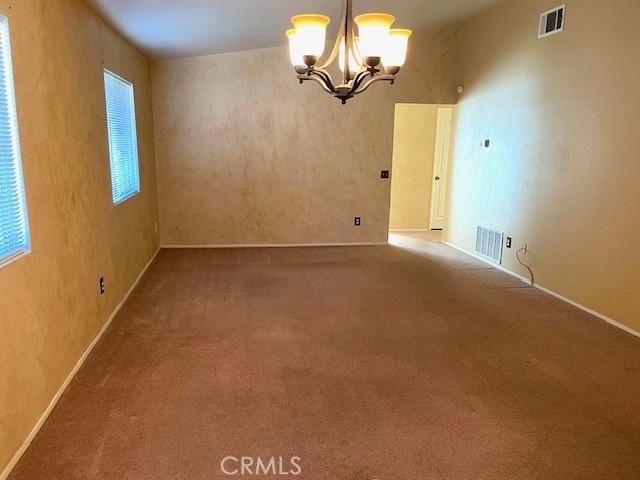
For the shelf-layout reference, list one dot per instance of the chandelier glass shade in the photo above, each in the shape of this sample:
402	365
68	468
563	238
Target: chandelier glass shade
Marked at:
376	54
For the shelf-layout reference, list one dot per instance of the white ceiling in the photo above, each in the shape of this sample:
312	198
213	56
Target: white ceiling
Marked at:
181	28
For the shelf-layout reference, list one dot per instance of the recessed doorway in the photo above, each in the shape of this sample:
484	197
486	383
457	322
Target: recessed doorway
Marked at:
421	151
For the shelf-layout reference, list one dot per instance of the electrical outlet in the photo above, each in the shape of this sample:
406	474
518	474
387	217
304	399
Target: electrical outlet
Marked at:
384	174
357	221
102	286
508	244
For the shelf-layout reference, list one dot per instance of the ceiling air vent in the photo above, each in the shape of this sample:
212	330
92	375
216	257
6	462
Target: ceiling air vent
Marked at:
551	22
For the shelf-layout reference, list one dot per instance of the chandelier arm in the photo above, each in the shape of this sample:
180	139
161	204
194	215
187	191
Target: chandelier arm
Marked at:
336	47
379	78
304	78
325	76
354	46
357	81
323	81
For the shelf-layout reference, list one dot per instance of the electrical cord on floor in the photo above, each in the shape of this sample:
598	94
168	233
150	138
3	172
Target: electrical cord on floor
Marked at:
528	267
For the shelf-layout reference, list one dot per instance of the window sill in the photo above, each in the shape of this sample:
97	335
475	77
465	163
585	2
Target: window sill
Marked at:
119	202
13	257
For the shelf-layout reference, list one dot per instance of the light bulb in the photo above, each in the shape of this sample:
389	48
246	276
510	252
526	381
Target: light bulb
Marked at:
310	34
396	48
354	65
373	29
295	52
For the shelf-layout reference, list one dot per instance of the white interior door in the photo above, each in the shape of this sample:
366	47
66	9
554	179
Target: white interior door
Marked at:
440	166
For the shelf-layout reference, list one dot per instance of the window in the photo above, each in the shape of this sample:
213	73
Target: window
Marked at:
14	222
123	146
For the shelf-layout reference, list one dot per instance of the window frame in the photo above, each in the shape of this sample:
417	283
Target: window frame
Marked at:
106	72
14	129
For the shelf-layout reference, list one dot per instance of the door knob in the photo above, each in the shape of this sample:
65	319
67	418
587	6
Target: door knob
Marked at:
437	178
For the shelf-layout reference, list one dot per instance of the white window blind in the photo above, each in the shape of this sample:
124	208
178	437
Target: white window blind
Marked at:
14	223
123	147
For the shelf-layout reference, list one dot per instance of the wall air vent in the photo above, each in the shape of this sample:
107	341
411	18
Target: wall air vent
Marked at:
551	22
489	244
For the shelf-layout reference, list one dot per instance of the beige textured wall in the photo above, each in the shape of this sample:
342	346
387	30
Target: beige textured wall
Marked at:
49	302
247	156
562	173
414	139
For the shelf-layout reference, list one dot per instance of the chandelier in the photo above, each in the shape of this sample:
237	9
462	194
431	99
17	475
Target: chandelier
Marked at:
376	54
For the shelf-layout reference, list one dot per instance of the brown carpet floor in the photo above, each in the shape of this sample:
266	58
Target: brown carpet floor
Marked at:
366	362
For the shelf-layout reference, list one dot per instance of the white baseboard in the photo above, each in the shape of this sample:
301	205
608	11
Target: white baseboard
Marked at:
549	291
43	418
409	230
277	245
